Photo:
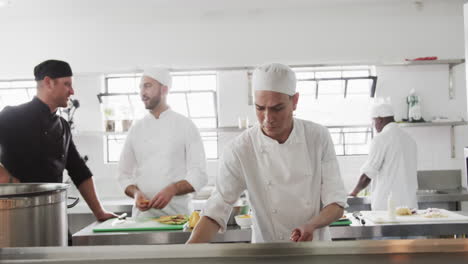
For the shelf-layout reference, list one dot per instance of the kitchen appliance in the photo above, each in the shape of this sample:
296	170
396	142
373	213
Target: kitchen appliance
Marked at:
33	214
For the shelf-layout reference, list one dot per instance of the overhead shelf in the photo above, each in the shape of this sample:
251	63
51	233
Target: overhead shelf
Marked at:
421	124
451	124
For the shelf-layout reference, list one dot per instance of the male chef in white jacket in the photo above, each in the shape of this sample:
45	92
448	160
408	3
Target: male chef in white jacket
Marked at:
163	157
287	165
392	163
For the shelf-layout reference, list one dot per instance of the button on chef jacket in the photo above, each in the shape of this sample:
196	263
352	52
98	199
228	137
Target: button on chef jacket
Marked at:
36	145
287	184
391	166
161	151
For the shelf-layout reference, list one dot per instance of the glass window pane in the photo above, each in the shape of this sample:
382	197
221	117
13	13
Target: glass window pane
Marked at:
355	138
359	87
339	150
306	88
23	84
116	107
305	75
13	97
31	92
180	83
328	74
357	149
358	73
333	88
205	122
123	85
114	147
201	104
337	138
203	82
178	103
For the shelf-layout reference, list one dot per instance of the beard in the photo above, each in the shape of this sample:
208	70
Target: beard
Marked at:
153	102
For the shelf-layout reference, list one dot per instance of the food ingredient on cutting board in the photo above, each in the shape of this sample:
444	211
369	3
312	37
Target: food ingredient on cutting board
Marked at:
172	219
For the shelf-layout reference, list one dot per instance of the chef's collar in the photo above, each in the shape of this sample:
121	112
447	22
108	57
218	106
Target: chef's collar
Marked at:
162	115
43	108
295	136
389	126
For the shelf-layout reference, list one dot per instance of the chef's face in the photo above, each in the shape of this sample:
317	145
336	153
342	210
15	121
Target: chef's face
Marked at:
275	113
151	92
378	123
61	90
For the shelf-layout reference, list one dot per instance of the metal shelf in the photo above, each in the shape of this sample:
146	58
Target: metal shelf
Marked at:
451	124
422	124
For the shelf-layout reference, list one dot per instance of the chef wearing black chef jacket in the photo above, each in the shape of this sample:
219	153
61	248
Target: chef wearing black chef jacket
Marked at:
36	144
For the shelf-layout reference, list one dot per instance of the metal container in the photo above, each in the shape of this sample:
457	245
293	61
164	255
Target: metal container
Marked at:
33	214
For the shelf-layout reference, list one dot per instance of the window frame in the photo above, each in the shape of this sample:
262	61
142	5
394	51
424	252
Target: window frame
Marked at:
368	127
106	93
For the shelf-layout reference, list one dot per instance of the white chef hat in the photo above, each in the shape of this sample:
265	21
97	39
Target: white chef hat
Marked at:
162	75
274	77
381	110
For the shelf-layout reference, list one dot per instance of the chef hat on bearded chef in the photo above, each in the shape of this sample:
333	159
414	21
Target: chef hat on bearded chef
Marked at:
381	110
274	77
160	74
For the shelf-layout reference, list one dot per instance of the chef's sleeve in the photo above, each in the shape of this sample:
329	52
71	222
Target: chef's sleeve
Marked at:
127	163
195	159
230	184
76	166
375	159
333	190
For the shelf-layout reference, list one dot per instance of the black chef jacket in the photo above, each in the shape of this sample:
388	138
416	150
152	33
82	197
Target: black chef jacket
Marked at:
36	145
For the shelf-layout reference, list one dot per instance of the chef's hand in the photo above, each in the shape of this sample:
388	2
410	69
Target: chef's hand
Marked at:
302	233
352	194
104	215
141	201
161	199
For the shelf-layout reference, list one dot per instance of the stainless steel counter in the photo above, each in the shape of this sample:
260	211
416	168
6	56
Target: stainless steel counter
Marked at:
235	235
87	237
446	199
371	230
451	251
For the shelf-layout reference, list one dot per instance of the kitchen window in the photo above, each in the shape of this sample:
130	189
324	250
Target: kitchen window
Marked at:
339	98
16	92
192	94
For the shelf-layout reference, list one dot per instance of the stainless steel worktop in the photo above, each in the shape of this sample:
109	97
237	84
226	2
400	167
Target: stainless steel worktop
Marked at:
386	251
235	235
87	237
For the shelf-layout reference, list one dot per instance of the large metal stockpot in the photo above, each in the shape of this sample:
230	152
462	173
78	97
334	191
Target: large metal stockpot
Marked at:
33	214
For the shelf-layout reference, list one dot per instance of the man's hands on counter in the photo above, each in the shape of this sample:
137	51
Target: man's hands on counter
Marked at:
162	198
303	233
104	215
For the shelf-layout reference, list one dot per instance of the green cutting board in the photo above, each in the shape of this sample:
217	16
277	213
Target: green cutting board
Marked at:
131	224
345	222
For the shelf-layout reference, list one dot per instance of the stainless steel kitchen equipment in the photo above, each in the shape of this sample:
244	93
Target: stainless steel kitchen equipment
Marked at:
420	251
33	214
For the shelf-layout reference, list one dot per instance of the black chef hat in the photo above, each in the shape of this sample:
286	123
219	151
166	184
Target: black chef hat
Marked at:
53	69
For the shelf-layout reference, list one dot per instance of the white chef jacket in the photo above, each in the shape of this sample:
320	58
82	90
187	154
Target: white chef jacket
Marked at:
391	166
161	151
287	183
